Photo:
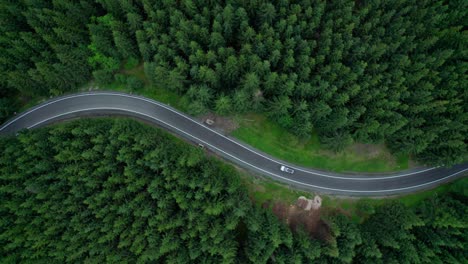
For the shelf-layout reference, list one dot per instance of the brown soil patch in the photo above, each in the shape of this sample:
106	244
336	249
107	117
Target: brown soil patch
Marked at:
221	123
295	217
281	210
301	203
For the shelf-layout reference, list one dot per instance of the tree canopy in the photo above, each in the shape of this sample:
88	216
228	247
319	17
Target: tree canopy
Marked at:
367	71
115	190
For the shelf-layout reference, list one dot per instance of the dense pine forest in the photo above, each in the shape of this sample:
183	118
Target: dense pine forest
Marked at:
353	71
118	191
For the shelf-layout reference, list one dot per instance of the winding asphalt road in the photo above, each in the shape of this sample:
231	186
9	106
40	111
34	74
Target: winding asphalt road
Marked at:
92	103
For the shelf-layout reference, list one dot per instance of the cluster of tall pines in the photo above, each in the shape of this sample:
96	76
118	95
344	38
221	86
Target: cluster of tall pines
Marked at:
117	191
371	71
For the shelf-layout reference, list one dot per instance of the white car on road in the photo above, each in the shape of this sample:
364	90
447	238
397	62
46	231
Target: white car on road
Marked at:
286	169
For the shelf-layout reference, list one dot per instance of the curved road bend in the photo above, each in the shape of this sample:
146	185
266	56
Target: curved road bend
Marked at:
83	104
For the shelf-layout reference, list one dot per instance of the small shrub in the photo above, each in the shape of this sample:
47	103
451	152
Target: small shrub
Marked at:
223	105
133	83
120	78
365	207
337	142
131	63
103	77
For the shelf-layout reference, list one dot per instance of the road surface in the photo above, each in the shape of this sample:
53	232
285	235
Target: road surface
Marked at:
92	103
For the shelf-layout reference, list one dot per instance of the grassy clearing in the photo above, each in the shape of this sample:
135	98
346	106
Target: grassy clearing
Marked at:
266	136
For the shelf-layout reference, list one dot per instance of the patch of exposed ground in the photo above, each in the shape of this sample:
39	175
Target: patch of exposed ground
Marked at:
221	123
296	217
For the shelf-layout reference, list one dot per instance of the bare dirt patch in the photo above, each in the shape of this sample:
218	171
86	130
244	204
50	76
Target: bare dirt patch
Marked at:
281	210
296	217
302	203
221	123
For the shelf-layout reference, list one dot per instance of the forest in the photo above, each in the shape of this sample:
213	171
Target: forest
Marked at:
381	71
117	191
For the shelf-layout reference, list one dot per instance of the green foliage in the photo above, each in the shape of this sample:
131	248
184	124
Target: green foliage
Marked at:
353	72
223	105
131	63
346	237
369	71
337	141
365	207
7	107
102	77
43	45
269	137
134	83
120	78
433	232
114	190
